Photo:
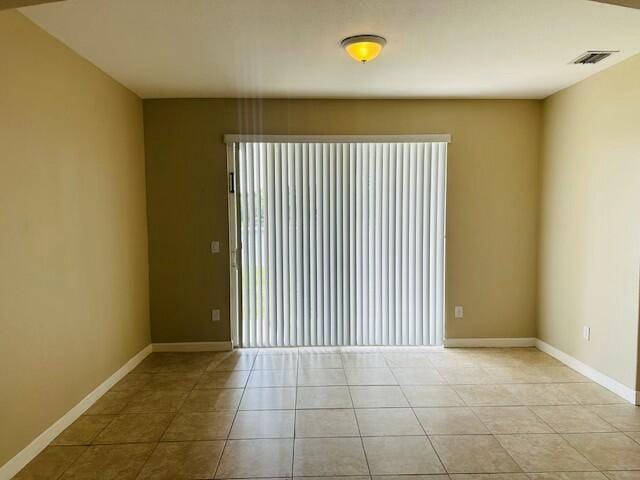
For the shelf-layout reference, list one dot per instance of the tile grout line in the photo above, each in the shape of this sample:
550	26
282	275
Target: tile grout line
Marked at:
244	389
92	444
528	407
353	408
420	423
202	374
295	414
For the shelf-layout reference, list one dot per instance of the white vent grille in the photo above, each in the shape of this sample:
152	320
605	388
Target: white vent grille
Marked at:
593	56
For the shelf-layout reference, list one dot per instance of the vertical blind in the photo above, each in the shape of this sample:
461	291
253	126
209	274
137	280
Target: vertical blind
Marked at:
341	243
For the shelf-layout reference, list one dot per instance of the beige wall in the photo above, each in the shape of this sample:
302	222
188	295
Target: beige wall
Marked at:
590	221
73	241
492	201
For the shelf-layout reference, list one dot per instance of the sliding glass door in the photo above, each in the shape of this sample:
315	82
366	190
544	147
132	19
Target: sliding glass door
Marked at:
340	242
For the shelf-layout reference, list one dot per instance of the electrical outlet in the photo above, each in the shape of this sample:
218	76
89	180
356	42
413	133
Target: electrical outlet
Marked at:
215	315
458	311
586	333
215	247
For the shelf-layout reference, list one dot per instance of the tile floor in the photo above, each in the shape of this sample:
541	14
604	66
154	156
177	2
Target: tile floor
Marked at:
357	412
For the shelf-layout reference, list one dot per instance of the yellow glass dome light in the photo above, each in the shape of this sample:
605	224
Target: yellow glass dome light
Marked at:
363	48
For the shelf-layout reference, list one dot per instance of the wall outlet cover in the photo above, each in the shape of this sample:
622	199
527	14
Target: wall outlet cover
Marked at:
215	246
458	311
215	315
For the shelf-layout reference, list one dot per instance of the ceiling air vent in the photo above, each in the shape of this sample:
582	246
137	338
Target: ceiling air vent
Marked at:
593	56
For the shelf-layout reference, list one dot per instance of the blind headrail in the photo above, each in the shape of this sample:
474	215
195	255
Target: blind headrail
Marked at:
424	138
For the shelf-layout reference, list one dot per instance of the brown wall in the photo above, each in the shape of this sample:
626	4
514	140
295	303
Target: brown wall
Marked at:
590	221
492	201
73	237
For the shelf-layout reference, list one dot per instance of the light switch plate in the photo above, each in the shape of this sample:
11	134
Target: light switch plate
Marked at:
215	246
586	333
215	315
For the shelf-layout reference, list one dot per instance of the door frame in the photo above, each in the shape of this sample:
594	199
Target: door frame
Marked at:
235	246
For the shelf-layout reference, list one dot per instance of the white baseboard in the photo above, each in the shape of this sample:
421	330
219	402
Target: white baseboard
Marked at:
17	463
489	342
607	382
193	347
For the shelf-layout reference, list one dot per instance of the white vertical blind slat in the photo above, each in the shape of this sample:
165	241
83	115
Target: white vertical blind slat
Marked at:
342	243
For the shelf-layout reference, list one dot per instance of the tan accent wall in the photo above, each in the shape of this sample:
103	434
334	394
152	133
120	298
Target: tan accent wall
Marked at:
590	221
73	237
492	201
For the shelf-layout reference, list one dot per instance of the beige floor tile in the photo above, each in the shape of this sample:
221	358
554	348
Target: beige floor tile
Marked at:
323	397
607	451
274	398
509	374
432	396
321	376
329	456
541	394
320	360
272	378
193	368
558	374
363	360
634	435
171	381
183	461
568	476
377	396
326	423
623	475
511	420
256	458
466	376
293	351
230	379
544	453
83	430
401	456
623	417
211	400
135	428
487	395
451	359
370	376
109	403
409	477
132	382
572	419
199	426
351	477
152	363
263	424
107	462
591	394
50	463
408	360
417	376
377	422
276	362
450	421
473	454
233	363
490	476
155	401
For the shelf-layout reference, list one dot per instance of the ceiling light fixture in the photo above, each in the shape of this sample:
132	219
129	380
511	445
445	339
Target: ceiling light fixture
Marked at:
363	48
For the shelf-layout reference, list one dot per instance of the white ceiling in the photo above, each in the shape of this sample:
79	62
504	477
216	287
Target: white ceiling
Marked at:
290	48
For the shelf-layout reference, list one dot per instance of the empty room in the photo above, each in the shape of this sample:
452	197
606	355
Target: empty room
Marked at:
321	239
